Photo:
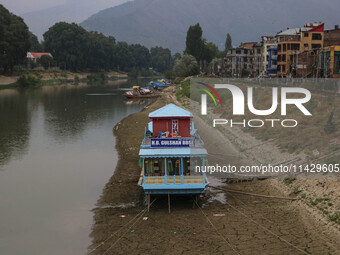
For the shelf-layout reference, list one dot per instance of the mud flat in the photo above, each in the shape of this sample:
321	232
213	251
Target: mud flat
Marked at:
242	224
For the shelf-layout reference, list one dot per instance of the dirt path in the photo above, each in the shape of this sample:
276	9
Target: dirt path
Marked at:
245	225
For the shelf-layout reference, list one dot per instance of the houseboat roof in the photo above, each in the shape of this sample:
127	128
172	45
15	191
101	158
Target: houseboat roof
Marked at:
172	152
170	110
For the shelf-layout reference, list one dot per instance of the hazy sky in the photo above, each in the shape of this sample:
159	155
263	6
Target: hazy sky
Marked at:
24	6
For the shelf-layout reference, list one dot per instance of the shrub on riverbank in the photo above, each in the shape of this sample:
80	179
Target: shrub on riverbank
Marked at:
183	90
26	81
97	77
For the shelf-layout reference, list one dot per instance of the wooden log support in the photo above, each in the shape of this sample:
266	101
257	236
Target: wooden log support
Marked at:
148	202
169	202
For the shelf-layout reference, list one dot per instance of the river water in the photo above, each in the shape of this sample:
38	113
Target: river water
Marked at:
57	151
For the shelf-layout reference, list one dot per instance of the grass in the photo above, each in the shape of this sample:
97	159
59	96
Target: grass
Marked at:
310	133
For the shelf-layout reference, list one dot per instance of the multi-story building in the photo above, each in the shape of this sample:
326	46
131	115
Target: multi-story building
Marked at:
244	59
332	36
330	54
292	41
266	42
271	59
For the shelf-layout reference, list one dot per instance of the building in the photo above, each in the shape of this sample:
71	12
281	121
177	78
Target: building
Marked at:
36	55
244	60
267	42
271	59
296	40
170	154
330	61
332	37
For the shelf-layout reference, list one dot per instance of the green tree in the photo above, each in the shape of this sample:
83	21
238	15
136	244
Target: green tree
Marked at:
228	43
46	61
194	42
68	45
123	56
186	66
161	59
210	51
141	56
14	40
35	45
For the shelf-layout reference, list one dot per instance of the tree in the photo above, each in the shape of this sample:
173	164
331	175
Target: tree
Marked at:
68	44
228	43
194	42
186	66
35	45
160	59
141	56
210	51
46	61
14	40
123	56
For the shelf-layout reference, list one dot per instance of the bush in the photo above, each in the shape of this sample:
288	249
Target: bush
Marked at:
186	66
170	75
26	81
97	77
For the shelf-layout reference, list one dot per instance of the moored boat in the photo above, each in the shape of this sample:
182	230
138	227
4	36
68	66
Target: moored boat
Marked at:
171	153
140	93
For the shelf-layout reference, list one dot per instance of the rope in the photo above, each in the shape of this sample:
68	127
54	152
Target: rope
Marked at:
102	243
252	194
144	211
225	239
282	239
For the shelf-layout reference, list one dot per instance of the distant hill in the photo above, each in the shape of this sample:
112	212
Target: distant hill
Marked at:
72	11
164	22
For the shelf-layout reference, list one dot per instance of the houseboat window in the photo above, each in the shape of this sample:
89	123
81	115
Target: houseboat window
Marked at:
154	167
196	164
174	166
186	166
158	167
149	167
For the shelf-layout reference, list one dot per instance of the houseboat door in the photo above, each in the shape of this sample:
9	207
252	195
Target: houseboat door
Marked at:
174	126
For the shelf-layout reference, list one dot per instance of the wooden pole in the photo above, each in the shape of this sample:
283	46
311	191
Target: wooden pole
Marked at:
169	202
148	202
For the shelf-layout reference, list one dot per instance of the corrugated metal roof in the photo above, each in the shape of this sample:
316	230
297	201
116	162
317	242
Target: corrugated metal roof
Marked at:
170	110
173	152
294	31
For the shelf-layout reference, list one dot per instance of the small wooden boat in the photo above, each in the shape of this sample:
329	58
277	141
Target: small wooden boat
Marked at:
140	93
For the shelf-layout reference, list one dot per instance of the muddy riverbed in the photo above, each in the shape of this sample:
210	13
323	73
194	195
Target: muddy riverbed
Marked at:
227	223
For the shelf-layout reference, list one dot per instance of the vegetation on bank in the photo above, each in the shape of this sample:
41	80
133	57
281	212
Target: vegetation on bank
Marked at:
75	49
317	135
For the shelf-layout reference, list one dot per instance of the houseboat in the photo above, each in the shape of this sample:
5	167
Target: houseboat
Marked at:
170	154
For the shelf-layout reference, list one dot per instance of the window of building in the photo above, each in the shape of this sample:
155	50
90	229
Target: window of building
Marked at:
288	46
245	51
305	34
258	51
238	51
283	68
305	45
316	36
295	46
279	68
279	58
245	59
316	46
244	66
283	57
279	47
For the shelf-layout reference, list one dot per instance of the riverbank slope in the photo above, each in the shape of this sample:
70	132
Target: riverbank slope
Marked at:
186	230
